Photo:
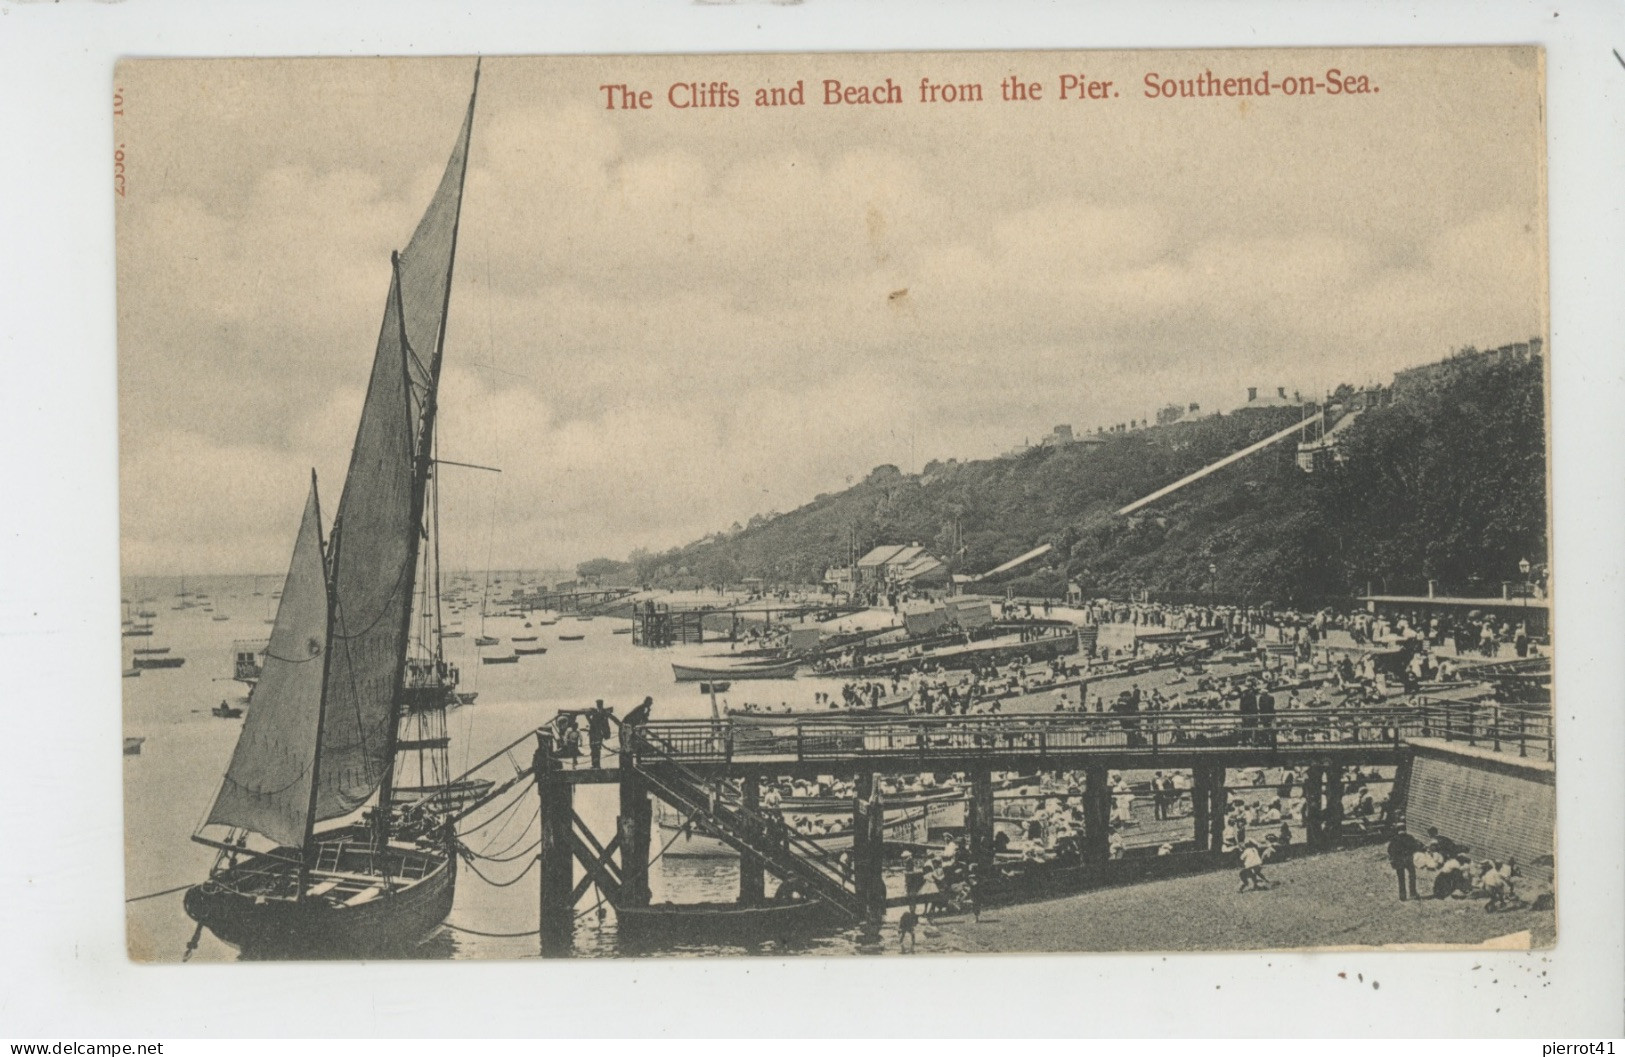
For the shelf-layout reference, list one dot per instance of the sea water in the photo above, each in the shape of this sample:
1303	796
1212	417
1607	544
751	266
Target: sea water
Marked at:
170	785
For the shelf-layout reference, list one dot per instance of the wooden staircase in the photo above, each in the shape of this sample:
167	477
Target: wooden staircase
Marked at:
753	833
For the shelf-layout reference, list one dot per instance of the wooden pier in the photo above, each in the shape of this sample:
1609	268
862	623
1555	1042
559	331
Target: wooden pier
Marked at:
581	600
686	762
660	624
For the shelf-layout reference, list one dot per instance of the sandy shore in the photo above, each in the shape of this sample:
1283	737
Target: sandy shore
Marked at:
1340	899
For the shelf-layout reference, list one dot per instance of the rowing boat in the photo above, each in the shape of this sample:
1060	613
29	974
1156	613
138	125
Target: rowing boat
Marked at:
690	674
709	922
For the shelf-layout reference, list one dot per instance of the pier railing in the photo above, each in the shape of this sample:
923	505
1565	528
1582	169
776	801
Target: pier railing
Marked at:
761	737
1522	730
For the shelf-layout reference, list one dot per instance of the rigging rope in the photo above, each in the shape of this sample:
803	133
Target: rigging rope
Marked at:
510	858
503	884
155	895
493	935
497	856
518	799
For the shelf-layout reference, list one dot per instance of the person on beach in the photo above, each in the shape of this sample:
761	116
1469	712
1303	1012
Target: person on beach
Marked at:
1452	880
1402	851
1443	845
1252	867
913	879
906	924
1497	885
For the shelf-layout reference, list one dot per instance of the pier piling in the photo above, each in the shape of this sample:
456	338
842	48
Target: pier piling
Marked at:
752	877
979	819
1314	789
1331	819
635	822
556	856
1097	815
1218	791
868	850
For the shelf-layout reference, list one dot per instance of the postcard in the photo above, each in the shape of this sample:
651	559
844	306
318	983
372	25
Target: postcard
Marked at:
828	504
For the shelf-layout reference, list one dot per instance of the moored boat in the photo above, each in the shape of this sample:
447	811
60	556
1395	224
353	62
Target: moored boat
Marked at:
329	726
352	902
157	662
710	922
687	673
512	658
898	707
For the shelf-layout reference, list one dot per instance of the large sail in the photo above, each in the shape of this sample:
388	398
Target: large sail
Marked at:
425	264
372	584
267	787
380	511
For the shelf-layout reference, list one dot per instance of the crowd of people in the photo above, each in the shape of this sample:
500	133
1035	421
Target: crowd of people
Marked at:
1454	873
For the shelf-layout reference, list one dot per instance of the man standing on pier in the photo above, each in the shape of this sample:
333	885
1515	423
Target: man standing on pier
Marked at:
597	731
639	715
1266	717
1249	711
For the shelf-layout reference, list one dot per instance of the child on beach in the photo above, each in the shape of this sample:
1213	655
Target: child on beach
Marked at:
1252	866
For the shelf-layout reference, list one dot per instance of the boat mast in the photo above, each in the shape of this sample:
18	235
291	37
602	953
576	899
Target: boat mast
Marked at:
420	471
307	850
392	729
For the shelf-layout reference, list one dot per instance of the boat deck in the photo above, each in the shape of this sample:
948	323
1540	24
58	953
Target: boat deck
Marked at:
345	871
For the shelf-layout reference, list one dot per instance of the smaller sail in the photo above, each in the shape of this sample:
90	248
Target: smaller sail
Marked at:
268	786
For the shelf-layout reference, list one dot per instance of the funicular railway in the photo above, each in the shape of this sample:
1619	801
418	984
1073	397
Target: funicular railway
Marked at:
710	771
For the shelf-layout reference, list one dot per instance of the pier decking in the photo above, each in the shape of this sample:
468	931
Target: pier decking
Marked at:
683	762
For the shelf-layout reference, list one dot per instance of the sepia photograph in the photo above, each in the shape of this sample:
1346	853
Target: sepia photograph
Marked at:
927	503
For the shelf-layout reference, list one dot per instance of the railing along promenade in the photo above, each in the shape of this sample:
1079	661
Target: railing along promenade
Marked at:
897	742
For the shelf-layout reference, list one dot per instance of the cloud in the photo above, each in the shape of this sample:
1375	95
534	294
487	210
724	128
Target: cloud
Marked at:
662	325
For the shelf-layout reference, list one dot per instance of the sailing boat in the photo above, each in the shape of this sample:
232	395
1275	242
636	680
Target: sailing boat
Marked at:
338	707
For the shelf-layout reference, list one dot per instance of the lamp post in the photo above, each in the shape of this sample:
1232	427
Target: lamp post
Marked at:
1523	569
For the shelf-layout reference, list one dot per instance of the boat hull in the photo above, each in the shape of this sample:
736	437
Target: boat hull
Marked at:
280	927
711	922
688	674
890	708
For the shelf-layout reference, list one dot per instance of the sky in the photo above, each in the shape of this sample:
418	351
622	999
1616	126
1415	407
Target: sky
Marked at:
664	321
